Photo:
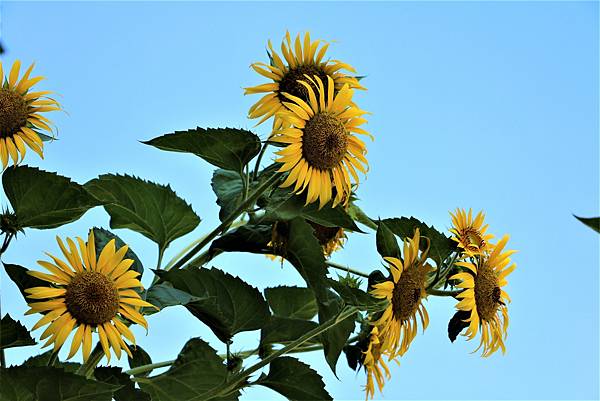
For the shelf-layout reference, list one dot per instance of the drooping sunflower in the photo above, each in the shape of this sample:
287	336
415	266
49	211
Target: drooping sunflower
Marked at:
375	365
87	294
404	292
484	297
322	152
331	239
21	121
469	232
303	58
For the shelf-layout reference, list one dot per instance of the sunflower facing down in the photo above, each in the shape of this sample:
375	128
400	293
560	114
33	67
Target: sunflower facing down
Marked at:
375	365
484	297
404	292
87	294
331	239
322	152
303	58
470	233
21	120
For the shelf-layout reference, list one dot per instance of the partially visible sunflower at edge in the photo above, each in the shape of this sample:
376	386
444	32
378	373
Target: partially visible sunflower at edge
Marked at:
405	292
470	233
375	366
21	121
322	153
86	293
484	298
302	58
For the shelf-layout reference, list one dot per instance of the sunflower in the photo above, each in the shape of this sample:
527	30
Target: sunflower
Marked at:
304	58
88	294
404	292
331	239
20	115
375	365
484	297
470	233
321	150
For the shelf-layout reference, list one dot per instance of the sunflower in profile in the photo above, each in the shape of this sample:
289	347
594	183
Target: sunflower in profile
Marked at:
331	239
469	232
322	152
404	292
87	294
484	297
303	58
375	365
21	121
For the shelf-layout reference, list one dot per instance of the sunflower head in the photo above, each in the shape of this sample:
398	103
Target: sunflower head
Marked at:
21	119
375	365
301	58
469	232
484	298
331	239
404	291
87	294
322	153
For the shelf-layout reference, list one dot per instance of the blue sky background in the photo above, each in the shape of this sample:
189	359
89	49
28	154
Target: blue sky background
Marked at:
486	105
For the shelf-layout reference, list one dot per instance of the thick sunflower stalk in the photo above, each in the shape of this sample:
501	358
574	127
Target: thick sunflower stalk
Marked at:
292	197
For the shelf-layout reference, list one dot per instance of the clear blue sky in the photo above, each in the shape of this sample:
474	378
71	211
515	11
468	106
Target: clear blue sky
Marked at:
485	105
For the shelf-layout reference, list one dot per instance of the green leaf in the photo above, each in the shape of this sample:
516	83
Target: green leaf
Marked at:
386	241
41	199
152	210
335	338
227	148
163	295
103	237
18	274
441	245
227	185
355	296
42	360
292	302
228	305
197	371
294	380
358	215
285	206
114	376
51	384
13	334
140	358
591	222
284	329
248	238
457	324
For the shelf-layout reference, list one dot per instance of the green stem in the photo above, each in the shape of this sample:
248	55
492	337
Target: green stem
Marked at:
240	378
53	358
441	293
88	367
260	156
346	269
230	219
148	368
183	251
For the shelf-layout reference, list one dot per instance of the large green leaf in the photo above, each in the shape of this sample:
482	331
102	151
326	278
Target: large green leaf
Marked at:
359	216
335	338
441	245
294	380
51	384
41	199
139	357
285	206
18	274
284	329
103	237
163	295
13	333
42	360
114	375
228	148
152	210
293	302
387	245
591	222
228	305
196	372
227	185
356	296
248	238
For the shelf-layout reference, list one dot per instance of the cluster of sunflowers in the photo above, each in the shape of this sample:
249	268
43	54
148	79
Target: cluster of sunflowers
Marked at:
316	125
